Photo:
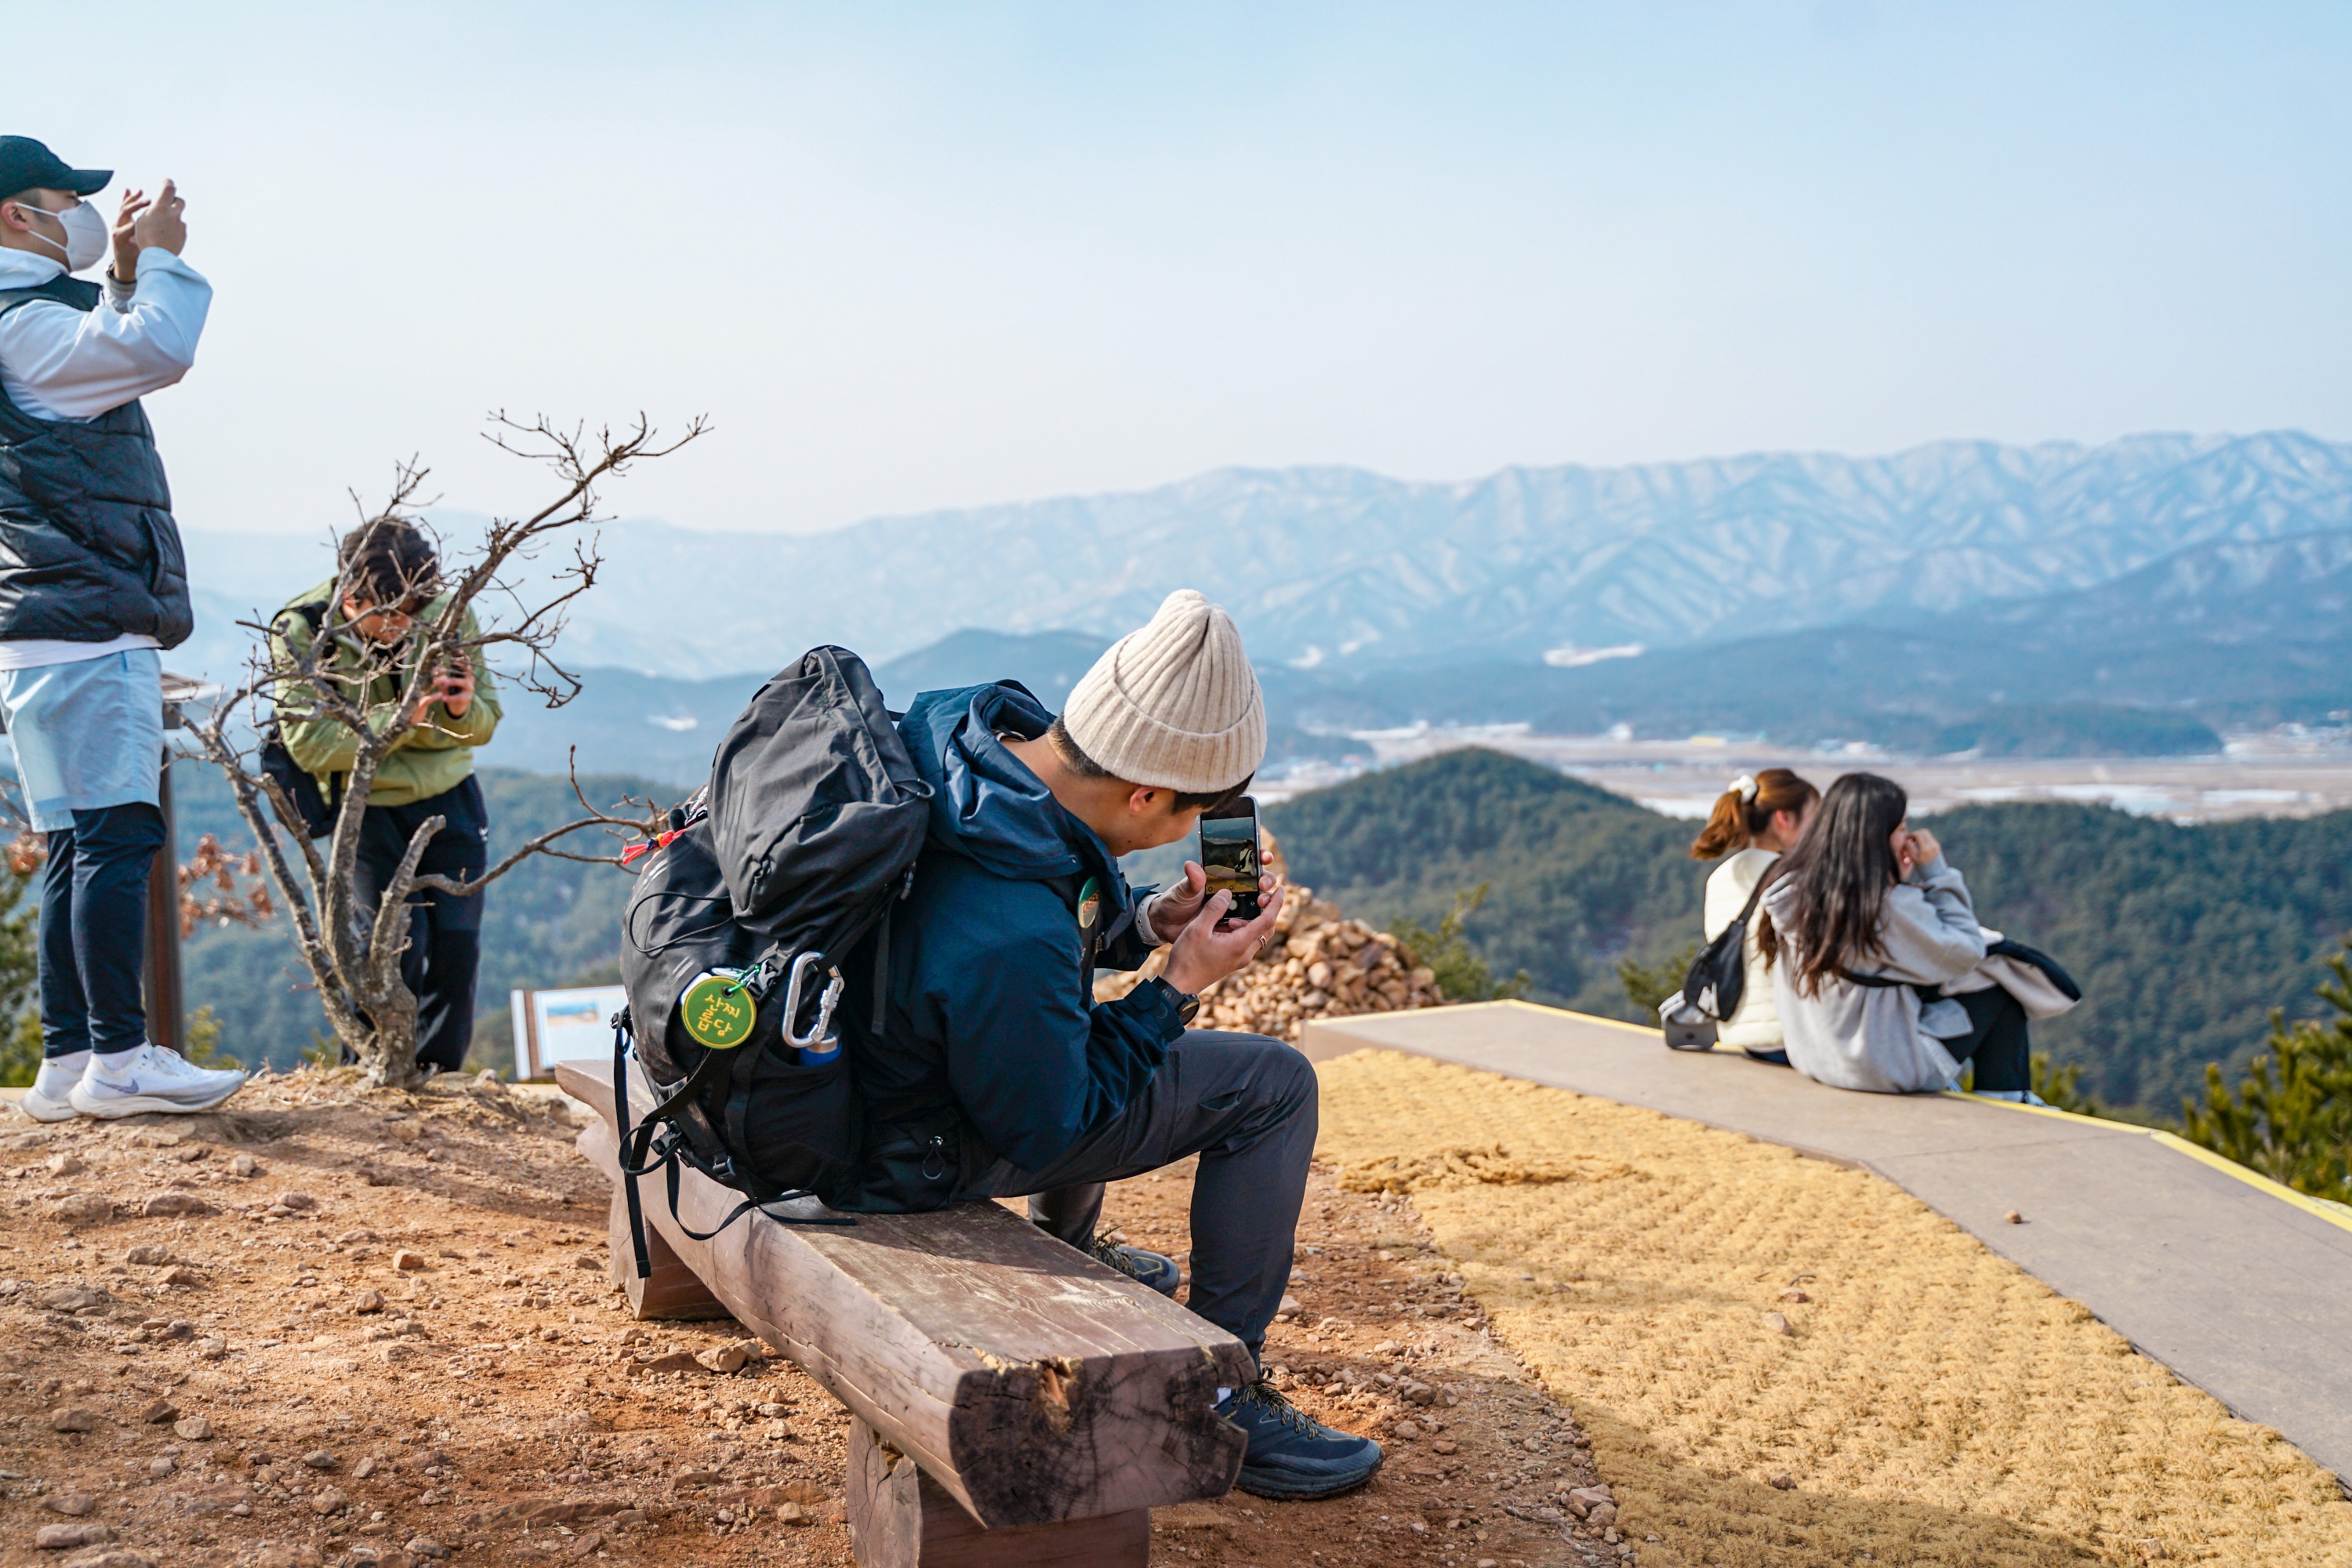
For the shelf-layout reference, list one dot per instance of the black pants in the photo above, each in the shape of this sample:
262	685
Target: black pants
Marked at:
1246	1105
94	929
445	934
1998	1043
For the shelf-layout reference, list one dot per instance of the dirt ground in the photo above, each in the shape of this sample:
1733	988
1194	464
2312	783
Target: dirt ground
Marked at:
334	1329
323	1328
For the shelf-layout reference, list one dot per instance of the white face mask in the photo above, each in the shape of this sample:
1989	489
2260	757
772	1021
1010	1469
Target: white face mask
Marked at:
87	236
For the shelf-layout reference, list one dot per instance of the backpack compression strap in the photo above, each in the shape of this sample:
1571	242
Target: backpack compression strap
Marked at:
642	1153
638	1156
621	1119
757	1202
1887	983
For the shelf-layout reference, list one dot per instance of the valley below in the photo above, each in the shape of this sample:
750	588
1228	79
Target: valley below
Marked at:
2290	770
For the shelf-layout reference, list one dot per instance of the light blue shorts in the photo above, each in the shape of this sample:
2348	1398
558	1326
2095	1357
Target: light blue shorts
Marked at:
87	735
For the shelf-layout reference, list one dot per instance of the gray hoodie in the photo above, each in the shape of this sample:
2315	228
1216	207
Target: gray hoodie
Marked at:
1883	1039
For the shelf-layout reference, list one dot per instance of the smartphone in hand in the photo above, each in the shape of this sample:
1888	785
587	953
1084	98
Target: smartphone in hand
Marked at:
1229	855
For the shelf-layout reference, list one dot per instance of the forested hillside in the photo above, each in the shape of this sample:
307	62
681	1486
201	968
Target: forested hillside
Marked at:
2183	937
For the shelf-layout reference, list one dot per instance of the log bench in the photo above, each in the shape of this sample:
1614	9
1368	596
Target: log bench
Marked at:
1015	1400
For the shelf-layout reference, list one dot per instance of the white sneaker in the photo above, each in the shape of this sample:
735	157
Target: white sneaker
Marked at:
46	1101
2014	1096
131	1083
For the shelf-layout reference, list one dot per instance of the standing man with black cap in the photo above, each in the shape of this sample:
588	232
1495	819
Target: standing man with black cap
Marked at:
94	585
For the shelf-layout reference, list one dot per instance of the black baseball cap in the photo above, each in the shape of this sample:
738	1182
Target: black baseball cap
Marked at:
28	165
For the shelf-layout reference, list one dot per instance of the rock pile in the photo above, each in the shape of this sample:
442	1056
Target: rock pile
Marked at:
1320	964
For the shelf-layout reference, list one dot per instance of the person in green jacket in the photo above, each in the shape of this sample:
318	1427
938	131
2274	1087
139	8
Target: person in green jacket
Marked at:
391	576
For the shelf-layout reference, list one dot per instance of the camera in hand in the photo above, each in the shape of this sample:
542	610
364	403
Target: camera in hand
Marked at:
1229	855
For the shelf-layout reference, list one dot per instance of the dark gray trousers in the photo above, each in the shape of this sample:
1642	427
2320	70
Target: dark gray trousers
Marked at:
1246	1105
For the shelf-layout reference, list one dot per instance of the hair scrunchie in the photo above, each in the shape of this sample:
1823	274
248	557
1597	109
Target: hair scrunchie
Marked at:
1744	786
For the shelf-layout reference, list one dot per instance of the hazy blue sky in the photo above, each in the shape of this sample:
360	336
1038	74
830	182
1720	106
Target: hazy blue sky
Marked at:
910	257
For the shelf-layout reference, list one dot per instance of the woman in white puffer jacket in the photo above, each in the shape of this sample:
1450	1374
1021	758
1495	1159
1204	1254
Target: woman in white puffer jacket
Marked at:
1756	821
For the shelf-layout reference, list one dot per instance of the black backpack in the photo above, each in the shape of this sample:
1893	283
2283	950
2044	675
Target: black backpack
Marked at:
1718	975
785	866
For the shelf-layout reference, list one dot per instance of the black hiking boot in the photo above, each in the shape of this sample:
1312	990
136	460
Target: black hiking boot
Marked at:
1291	1453
1147	1268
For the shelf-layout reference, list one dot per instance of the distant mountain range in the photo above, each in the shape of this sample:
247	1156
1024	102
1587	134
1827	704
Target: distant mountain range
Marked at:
2151	662
1330	566
1900	599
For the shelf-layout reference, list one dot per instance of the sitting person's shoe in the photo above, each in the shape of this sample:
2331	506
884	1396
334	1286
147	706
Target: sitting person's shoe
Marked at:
1146	1268
2014	1096
132	1083
46	1101
1291	1453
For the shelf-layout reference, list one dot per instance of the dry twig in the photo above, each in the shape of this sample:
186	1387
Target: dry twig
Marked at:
354	953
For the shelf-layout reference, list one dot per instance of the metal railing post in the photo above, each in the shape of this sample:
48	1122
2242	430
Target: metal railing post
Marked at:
166	996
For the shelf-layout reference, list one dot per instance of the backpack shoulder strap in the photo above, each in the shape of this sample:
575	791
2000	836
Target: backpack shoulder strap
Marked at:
1084	896
1755	897
312	611
1888	982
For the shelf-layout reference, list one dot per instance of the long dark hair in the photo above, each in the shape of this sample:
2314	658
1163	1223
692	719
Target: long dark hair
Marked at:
1841	870
1741	815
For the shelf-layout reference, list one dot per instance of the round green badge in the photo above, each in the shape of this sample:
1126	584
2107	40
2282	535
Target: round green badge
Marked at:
717	1011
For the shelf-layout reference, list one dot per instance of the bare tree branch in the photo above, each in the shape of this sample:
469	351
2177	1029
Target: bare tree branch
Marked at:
367	699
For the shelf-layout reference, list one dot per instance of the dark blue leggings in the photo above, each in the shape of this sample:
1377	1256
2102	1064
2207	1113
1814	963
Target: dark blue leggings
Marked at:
1998	1042
94	929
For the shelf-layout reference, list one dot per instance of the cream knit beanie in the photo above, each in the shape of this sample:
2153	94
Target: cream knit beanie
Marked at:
1175	705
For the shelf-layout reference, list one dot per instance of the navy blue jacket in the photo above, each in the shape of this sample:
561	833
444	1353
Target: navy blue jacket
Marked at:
990	1006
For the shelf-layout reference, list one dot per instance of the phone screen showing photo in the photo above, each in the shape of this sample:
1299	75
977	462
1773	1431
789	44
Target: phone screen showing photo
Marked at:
1229	856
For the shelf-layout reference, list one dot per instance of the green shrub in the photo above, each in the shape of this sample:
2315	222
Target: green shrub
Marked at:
2061	1087
20	1013
1648	986
2291	1117
202	1043
1461	974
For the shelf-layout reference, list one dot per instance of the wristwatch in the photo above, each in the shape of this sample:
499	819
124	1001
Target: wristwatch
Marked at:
1187	1005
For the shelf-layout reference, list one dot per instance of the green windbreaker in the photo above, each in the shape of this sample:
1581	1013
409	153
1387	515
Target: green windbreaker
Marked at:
431	758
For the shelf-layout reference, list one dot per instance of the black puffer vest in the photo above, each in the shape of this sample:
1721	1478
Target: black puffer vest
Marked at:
88	547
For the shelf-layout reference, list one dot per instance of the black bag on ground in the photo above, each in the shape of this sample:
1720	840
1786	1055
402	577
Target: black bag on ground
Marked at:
783	867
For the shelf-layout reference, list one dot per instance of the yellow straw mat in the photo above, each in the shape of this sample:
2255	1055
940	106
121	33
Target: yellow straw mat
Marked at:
1927	1403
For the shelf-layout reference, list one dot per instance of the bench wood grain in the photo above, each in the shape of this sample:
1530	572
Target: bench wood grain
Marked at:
1031	1384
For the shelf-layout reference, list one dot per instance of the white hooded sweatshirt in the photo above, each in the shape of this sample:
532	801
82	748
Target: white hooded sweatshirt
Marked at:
1885	1039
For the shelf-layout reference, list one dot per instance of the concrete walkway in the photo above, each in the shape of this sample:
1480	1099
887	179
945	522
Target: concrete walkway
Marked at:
2237	1285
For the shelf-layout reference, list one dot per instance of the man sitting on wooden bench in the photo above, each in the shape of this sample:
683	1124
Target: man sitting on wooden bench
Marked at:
996	1061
